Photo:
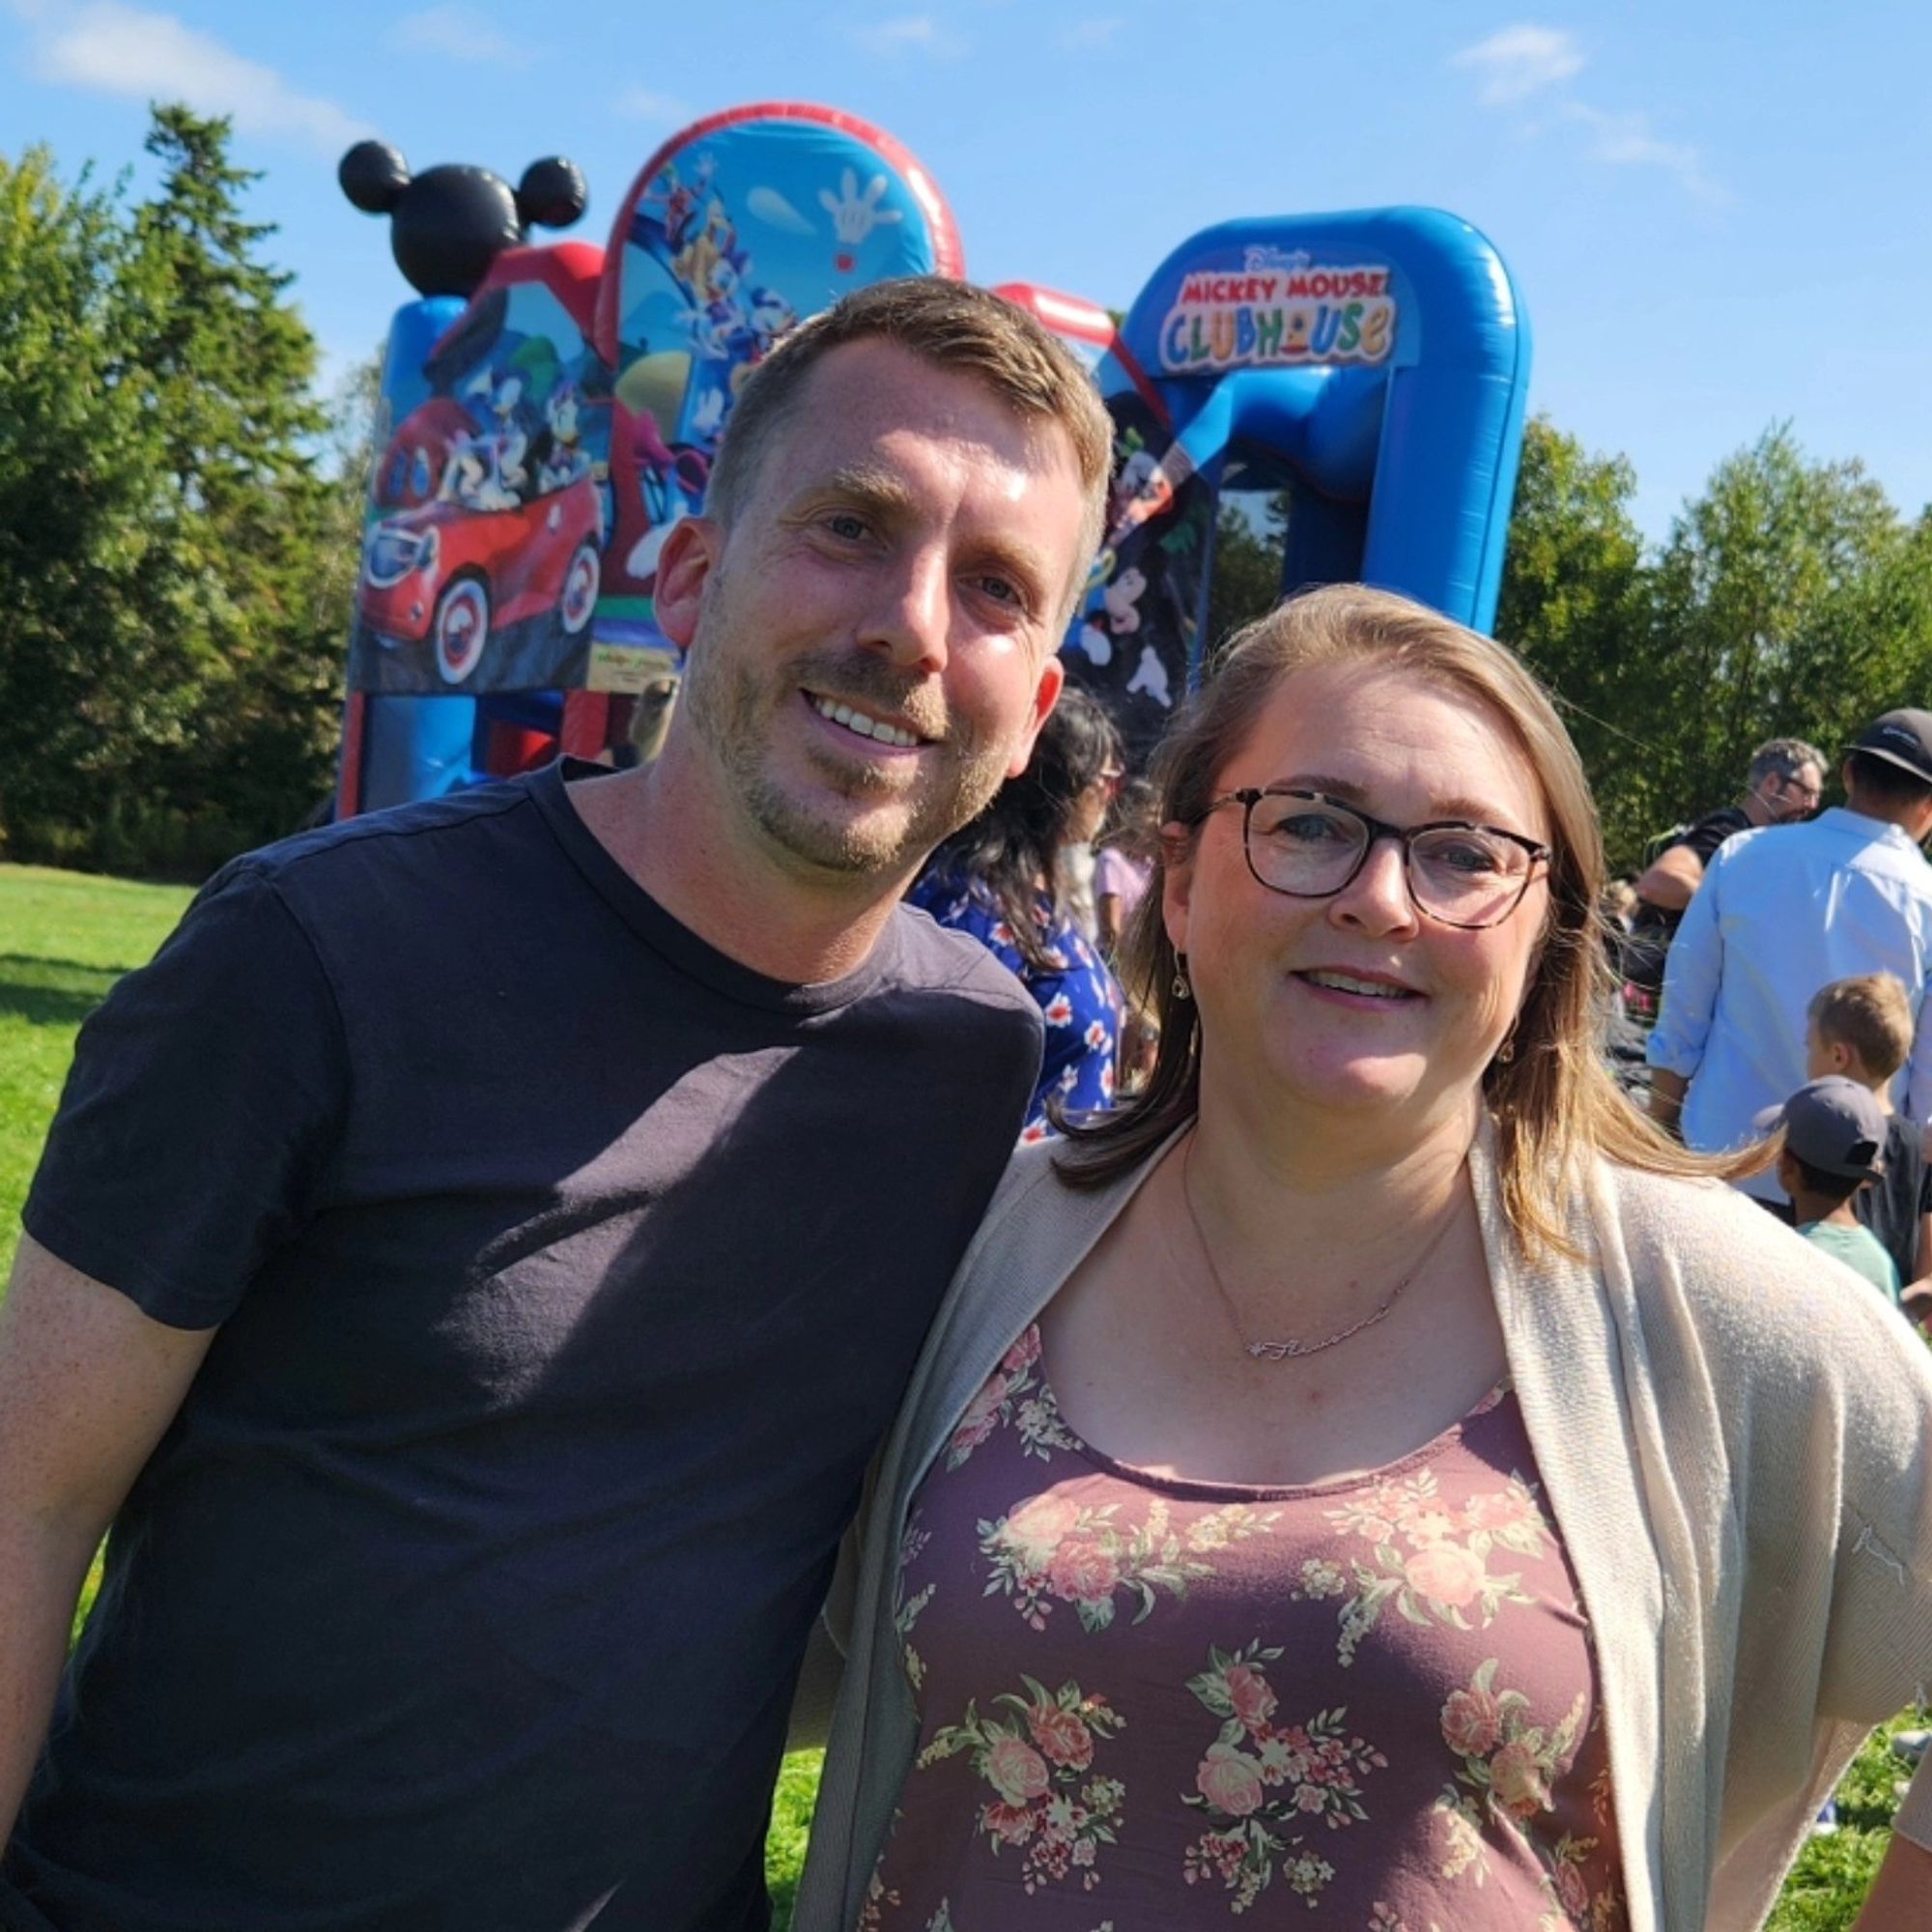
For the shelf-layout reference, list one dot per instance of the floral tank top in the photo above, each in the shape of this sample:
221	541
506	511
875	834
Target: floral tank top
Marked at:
1146	1704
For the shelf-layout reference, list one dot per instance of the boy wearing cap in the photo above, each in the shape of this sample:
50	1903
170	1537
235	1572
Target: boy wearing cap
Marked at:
1861	1028
1782	911
1832	1132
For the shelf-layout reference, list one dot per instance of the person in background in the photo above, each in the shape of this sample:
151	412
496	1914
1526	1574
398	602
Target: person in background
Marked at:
1784	783
1783	909
1076	863
1122	867
1124	862
651	720
996	880
1833	1143
1861	1029
1373	1479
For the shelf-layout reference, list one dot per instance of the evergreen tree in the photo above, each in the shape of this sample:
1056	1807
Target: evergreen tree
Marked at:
232	365
172	602
83	510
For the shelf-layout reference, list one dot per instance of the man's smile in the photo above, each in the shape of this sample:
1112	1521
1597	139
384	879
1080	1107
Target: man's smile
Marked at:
893	732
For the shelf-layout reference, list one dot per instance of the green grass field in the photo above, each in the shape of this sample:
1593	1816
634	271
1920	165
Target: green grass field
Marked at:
64	940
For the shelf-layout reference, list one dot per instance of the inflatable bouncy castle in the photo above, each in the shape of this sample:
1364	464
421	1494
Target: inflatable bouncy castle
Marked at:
1368	372
548	412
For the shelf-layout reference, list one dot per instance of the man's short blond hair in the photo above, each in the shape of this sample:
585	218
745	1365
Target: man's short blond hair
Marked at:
955	327
1871	1014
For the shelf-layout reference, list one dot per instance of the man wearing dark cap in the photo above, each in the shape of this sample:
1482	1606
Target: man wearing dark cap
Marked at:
1781	910
1833	1132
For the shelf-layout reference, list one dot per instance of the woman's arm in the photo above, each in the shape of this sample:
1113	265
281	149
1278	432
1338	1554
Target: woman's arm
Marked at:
1900	1899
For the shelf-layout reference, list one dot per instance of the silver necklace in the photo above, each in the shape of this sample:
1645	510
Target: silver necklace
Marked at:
1293	1347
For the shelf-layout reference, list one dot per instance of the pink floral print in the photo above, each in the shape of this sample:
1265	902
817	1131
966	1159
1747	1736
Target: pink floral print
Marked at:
1396	1749
1429	1560
906	1608
1385	1918
1508	1767
1037	1759
1051	1549
1014	1393
1261	1784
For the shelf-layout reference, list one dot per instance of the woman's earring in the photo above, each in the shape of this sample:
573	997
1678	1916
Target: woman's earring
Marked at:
1179	986
1506	1052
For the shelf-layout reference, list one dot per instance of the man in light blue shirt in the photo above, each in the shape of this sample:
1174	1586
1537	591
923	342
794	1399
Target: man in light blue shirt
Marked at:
1782	911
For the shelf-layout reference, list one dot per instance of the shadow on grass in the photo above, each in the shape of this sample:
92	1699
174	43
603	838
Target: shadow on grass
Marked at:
51	992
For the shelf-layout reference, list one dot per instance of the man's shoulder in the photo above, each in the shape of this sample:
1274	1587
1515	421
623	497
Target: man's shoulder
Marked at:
472	819
1703	836
935	958
405	867
1771	857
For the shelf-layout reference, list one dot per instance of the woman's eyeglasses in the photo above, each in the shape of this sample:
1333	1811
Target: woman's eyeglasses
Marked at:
1308	847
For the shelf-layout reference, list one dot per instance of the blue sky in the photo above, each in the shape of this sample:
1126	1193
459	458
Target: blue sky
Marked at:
1717	213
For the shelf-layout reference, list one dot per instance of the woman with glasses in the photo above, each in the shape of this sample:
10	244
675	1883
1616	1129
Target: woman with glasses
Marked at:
1375	1471
1003	880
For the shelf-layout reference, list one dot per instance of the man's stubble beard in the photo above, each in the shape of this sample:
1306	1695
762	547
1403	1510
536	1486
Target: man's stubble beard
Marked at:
725	706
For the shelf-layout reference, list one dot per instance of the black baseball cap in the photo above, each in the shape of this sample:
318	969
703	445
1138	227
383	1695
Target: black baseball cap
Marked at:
1902	738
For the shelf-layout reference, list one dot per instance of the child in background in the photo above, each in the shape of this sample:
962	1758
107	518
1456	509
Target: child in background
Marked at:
1861	1029
1123	862
1122	865
1833	1131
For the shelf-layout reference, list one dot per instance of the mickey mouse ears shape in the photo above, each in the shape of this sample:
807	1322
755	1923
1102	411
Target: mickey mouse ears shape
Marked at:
552	193
373	176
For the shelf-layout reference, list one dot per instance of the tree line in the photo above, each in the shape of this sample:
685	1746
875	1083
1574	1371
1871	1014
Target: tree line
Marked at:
176	556
1789	599
180	524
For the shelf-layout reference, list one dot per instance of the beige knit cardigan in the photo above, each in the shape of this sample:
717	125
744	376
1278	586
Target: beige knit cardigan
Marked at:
1732	1434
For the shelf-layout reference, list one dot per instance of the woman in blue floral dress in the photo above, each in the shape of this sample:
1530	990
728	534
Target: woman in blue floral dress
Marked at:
994	880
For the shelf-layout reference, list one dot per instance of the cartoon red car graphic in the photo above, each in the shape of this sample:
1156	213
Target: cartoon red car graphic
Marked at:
451	572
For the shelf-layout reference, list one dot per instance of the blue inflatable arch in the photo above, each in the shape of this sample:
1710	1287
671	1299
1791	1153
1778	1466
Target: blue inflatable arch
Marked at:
1376	364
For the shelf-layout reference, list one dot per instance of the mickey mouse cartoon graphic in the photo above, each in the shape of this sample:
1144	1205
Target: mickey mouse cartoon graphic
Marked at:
449	223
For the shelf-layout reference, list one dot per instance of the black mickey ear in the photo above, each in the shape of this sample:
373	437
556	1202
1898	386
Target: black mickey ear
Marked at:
552	193
373	176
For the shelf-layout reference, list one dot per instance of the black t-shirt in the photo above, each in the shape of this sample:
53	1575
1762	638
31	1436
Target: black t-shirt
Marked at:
1894	1204
567	1273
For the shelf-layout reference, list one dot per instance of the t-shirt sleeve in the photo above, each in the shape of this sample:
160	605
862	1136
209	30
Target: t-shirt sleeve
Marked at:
1711	830
202	1110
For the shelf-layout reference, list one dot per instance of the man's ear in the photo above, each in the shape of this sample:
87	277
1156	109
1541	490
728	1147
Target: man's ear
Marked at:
1045	695
685	566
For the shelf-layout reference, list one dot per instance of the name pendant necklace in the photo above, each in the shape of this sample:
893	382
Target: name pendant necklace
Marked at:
1293	1347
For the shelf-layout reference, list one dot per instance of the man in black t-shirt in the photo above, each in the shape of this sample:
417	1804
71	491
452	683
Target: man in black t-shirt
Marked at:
473	1263
1785	781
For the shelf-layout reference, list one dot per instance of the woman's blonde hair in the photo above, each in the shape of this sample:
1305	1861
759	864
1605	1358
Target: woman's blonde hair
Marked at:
1553	1100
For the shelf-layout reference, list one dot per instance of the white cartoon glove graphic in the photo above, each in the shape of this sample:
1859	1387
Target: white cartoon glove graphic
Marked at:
854	215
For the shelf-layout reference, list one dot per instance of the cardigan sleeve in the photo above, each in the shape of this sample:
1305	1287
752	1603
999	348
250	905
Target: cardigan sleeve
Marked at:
1880	1656
1915	1815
